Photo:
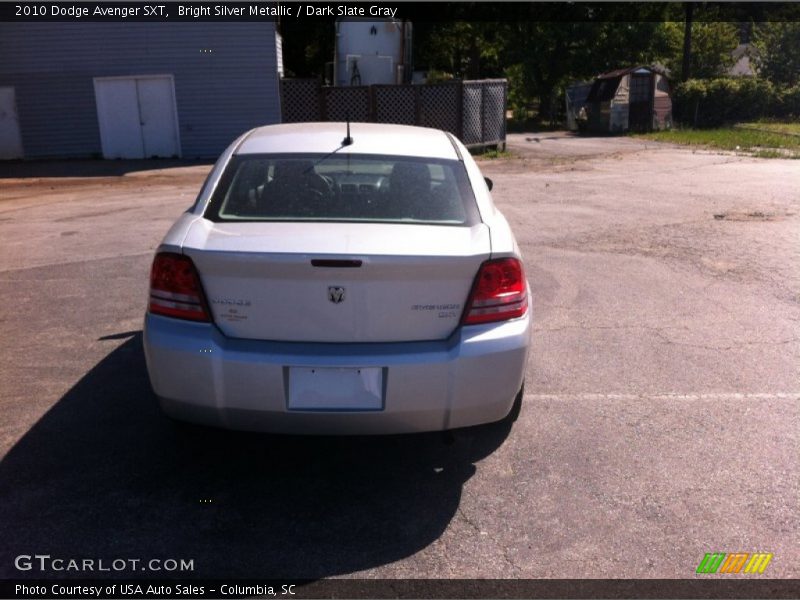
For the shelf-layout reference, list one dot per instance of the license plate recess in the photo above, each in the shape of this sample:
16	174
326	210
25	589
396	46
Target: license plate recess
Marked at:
335	388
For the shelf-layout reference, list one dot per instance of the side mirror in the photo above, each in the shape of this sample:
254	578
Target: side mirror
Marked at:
489	183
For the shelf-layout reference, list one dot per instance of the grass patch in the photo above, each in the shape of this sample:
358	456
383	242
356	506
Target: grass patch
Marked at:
493	153
773	126
772	153
764	140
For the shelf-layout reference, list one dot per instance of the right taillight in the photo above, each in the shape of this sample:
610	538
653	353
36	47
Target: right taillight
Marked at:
175	288
500	292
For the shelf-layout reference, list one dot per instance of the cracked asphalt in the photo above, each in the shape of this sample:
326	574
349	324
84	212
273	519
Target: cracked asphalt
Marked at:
660	420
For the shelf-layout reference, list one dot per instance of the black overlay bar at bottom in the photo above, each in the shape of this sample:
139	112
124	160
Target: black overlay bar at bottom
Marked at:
710	587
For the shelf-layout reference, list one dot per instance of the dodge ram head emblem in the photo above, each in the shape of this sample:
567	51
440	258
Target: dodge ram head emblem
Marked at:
335	294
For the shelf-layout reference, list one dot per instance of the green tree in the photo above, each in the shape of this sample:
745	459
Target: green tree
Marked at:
541	57
712	45
623	44
467	50
778	51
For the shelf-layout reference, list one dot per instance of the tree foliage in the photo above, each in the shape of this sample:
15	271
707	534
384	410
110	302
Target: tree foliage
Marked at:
778	51
713	102
465	49
713	44
539	58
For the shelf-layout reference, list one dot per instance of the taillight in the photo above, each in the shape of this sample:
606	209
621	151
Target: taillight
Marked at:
175	288
500	292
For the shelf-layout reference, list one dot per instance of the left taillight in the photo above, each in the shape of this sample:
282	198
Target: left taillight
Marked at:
175	289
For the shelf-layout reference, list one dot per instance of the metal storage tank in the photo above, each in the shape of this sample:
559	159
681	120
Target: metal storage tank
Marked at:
372	52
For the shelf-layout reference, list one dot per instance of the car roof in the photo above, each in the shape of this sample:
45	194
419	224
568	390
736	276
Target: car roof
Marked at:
368	138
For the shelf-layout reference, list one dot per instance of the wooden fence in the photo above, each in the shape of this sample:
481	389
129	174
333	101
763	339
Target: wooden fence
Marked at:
473	111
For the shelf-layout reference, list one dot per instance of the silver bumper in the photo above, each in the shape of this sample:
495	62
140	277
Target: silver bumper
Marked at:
469	379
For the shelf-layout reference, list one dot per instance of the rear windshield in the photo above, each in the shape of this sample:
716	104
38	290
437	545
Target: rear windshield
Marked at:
342	187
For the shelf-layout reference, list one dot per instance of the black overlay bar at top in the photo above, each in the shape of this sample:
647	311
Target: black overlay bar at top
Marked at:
233	11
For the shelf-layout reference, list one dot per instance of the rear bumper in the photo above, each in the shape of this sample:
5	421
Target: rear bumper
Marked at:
201	376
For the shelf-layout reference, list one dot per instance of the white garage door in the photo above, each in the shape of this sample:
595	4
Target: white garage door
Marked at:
10	138
137	116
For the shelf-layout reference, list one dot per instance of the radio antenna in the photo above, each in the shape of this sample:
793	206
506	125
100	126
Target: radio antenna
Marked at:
347	140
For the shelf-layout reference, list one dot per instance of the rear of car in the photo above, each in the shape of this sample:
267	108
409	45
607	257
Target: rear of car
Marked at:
320	286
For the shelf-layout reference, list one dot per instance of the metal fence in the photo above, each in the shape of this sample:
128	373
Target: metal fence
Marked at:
473	111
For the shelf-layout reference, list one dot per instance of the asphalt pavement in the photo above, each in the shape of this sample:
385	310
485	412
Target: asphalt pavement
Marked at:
660	420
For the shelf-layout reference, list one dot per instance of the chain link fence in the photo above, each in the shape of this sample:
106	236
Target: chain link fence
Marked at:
473	111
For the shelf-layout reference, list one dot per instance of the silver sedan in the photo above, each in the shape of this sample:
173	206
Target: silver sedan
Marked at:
344	279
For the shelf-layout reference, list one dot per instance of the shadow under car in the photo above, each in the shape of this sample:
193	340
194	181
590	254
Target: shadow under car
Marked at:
104	475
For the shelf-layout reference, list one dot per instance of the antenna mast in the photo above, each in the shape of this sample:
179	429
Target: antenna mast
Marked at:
347	140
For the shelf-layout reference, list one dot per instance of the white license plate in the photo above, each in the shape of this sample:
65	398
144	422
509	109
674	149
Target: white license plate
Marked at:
335	388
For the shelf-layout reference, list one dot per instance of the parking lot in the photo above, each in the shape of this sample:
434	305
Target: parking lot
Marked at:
660	420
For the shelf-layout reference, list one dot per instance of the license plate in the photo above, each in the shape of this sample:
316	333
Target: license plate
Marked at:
335	388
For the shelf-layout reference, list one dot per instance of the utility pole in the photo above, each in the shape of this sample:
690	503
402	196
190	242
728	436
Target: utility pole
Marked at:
687	42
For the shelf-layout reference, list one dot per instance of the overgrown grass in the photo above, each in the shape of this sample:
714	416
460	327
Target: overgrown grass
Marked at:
764	140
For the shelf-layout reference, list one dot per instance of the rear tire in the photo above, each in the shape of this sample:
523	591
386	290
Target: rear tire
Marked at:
516	408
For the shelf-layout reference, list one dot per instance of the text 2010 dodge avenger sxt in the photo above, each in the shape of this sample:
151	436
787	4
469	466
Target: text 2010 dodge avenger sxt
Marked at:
347	285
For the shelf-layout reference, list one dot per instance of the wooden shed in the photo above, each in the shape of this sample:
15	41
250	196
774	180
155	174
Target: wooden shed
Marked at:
633	99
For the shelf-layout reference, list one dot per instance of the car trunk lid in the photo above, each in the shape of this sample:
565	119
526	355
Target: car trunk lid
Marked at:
336	282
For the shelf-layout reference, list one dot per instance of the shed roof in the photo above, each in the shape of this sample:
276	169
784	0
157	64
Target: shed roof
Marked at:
621	72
